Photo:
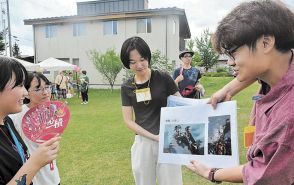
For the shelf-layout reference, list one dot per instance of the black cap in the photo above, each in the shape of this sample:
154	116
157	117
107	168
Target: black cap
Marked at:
184	52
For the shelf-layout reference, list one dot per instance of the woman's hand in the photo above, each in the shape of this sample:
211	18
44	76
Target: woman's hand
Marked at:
199	169
156	138
46	152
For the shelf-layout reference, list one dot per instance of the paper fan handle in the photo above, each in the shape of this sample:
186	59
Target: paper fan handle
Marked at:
51	166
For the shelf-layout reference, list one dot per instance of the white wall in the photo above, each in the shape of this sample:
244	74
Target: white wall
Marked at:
65	45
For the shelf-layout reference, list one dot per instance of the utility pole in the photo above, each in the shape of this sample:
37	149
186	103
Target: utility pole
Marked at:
4	29
9	30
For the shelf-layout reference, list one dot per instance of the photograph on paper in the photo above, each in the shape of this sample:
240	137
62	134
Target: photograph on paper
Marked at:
219	135
184	139
195	131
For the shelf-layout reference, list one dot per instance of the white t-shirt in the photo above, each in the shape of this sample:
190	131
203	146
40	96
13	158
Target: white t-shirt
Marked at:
45	176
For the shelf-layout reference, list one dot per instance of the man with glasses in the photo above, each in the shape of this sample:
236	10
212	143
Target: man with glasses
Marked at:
187	77
258	36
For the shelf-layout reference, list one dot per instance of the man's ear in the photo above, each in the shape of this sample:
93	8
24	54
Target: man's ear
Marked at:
268	42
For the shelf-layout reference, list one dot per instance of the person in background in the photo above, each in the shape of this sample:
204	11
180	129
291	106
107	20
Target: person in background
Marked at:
61	85
84	79
187	77
142	98
16	166
38	87
53	91
260	50
70	90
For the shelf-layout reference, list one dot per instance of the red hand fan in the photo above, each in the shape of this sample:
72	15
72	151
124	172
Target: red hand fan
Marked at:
45	121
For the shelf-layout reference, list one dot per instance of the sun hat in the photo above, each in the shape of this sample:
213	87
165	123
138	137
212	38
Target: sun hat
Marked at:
182	53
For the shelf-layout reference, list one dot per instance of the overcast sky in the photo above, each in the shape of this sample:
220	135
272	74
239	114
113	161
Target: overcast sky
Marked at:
201	14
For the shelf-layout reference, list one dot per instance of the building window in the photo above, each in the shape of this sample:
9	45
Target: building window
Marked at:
174	27
79	29
144	25
76	61
110	27
50	31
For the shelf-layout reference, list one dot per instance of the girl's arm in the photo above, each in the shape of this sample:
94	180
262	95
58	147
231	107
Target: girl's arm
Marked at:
127	112
46	153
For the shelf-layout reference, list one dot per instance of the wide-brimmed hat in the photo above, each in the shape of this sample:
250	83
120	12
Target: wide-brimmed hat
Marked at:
182	53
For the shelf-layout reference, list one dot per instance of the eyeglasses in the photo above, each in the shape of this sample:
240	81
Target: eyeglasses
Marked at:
187	56
231	51
41	90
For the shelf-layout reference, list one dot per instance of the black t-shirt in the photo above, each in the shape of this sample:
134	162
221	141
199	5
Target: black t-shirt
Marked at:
148	115
10	161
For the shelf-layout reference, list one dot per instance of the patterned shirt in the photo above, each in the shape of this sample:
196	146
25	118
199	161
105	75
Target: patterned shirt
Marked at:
191	77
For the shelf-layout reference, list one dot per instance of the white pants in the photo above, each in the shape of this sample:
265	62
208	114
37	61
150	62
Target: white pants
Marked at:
146	169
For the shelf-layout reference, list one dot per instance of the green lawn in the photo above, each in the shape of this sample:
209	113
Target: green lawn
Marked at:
95	148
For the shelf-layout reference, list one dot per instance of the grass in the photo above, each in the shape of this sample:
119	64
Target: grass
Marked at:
95	148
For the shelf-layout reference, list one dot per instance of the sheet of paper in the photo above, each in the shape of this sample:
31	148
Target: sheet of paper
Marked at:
174	101
194	131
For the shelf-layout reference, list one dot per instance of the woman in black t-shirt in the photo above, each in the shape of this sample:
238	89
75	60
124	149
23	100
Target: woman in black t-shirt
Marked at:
15	166
145	94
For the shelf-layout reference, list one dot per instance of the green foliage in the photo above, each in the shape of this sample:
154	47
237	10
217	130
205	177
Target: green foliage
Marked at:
128	74
190	45
108	64
196	59
2	44
158	62
220	72
204	47
221	69
217	74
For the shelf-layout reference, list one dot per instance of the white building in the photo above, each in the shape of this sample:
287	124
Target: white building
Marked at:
104	24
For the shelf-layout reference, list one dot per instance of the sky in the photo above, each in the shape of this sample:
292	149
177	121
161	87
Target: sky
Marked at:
201	14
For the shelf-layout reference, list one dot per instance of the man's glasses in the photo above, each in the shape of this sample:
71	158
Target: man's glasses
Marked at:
187	56
41	90
231	51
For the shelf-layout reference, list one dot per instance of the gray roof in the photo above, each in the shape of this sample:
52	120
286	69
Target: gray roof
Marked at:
117	15
173	10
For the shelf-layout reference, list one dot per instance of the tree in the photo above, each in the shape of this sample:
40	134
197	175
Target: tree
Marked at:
2	44
204	46
107	64
158	62
190	45
196	60
15	51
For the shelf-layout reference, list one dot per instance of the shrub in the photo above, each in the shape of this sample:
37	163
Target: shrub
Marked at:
217	74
